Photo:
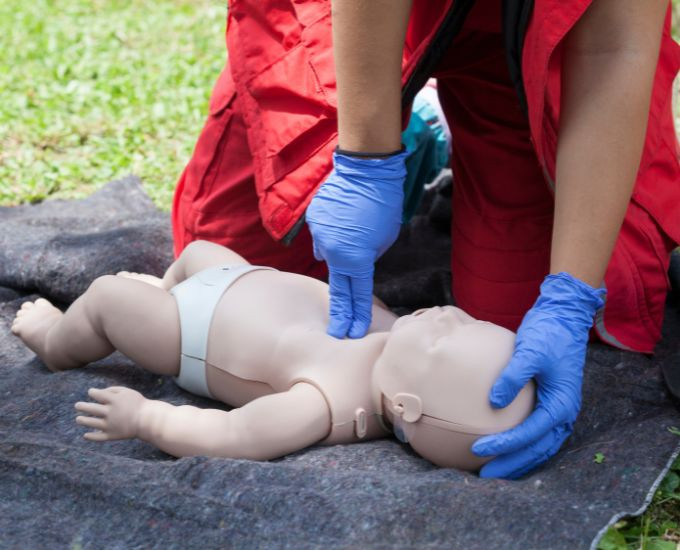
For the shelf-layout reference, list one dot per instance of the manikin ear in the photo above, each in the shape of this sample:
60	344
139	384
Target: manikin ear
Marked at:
410	404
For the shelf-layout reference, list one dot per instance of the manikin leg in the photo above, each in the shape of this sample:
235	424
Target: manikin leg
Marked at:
136	318
118	313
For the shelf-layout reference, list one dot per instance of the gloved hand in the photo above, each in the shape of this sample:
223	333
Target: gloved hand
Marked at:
550	347
353	218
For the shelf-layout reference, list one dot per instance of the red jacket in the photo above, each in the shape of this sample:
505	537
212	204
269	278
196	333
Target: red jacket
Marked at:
290	111
279	91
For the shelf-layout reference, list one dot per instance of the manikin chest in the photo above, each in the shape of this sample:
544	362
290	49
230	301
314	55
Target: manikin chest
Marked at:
268	333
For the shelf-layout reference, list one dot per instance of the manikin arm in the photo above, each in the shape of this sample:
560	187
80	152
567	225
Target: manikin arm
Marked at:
266	428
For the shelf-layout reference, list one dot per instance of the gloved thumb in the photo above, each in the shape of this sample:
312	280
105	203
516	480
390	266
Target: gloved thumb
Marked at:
513	378
317	252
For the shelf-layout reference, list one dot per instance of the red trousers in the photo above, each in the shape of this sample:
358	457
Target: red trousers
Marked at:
266	146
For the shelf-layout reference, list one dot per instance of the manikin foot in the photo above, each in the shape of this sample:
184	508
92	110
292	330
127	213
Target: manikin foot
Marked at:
148	279
31	324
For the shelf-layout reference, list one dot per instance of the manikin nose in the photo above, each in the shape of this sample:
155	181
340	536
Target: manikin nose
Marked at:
453	315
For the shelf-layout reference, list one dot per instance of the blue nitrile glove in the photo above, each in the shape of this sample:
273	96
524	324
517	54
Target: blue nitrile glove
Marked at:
550	347
353	218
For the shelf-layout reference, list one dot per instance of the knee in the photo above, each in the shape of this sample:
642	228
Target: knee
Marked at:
99	295
102	285
197	247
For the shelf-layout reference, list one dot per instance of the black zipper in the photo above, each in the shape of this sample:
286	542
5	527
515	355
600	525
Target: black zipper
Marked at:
515	19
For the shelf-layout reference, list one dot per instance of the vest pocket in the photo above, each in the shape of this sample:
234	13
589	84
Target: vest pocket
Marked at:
290	100
295	106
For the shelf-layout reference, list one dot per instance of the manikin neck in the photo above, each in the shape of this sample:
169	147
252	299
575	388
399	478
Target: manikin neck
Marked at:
368	348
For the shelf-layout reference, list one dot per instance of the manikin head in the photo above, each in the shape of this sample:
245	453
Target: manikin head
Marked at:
434	376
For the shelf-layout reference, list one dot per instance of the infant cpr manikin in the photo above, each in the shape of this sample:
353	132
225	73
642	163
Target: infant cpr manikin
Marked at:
262	348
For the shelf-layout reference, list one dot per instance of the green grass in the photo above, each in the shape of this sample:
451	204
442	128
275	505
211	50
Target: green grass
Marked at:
94	90
658	528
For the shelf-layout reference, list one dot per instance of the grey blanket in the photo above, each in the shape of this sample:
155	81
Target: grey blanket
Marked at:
60	491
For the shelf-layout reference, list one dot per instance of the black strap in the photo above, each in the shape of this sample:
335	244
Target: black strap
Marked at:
361	155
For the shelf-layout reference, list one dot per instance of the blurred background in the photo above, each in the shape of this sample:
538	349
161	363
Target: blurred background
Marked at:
92	90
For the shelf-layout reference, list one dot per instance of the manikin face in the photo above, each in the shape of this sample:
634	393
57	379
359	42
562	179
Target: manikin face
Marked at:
435	374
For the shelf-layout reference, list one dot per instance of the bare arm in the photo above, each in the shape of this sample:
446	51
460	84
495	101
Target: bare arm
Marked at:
266	428
368	41
609	62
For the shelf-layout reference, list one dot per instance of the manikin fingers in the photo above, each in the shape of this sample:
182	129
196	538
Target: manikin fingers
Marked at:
91	422
96	436
94	409
100	395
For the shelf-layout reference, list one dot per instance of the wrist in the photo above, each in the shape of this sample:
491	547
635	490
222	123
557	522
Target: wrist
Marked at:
573	292
391	168
369	155
148	420
374	125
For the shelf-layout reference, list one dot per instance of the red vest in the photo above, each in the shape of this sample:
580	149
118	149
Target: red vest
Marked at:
282	67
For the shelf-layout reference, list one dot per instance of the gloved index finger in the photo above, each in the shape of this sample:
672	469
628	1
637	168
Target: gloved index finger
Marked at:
534	427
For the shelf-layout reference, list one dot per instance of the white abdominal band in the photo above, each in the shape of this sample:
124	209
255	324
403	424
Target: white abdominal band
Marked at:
196	299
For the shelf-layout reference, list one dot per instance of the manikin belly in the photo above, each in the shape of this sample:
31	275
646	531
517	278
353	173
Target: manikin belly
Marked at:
251	342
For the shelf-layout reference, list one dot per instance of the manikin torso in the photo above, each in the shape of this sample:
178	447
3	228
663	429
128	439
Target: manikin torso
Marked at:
269	332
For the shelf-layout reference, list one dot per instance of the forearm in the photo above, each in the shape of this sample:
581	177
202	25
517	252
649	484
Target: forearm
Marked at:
265	428
187	430
608	70
368	41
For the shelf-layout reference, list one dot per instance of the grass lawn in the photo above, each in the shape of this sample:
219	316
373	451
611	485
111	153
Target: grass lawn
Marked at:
93	90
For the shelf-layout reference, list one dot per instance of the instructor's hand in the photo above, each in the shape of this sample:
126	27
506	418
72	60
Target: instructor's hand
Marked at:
354	218
550	347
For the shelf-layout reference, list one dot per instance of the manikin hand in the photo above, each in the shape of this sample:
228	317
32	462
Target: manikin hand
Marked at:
354	218
116	416
550	347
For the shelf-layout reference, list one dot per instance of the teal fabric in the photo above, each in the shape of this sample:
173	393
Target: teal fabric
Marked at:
428	148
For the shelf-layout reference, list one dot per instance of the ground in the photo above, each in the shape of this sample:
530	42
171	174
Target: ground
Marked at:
96	89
